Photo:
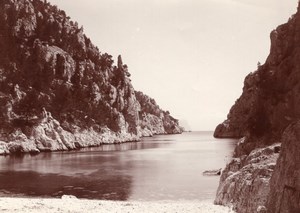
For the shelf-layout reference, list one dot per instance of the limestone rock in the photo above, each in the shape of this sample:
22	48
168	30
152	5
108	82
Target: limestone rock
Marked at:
267	104
245	181
151	125
3	148
154	120
267	113
58	91
285	182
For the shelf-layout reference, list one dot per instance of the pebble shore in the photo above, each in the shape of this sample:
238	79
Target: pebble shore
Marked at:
74	205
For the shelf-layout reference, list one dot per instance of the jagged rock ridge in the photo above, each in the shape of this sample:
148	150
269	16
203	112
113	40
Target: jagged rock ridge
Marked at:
267	113
59	92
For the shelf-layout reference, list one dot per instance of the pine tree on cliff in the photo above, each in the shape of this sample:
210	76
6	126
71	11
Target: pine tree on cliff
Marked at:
55	66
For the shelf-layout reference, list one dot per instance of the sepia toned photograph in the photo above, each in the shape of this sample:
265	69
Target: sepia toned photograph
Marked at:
127	106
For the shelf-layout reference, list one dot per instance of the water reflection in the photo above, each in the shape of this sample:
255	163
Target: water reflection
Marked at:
162	167
94	186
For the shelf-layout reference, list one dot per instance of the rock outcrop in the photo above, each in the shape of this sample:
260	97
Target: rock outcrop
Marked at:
154	120
267	113
245	182
59	92
285	193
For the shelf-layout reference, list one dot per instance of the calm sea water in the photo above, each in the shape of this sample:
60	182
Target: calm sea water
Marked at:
167	167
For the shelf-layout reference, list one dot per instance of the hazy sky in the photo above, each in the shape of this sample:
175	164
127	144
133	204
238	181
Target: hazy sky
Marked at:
191	56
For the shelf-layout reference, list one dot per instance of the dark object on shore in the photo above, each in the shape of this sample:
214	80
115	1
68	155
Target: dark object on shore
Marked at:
212	172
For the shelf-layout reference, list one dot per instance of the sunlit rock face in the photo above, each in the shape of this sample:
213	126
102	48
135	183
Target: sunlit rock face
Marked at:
267	113
245	182
153	120
58	91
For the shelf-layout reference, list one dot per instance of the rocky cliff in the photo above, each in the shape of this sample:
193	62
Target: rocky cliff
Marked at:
59	92
284	194
154	120
267	113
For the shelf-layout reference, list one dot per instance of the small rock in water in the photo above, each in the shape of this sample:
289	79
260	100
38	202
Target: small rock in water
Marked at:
212	172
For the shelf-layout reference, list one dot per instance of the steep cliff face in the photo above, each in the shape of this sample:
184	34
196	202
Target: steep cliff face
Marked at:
270	94
265	114
154	120
57	90
285	191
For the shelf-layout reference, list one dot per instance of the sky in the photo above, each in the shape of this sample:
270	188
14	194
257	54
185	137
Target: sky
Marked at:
191	56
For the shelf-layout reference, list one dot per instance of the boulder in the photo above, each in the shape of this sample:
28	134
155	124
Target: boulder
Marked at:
244	183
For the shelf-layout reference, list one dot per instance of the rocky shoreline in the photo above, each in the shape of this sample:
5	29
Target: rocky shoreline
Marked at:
264	176
245	182
48	135
59	92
